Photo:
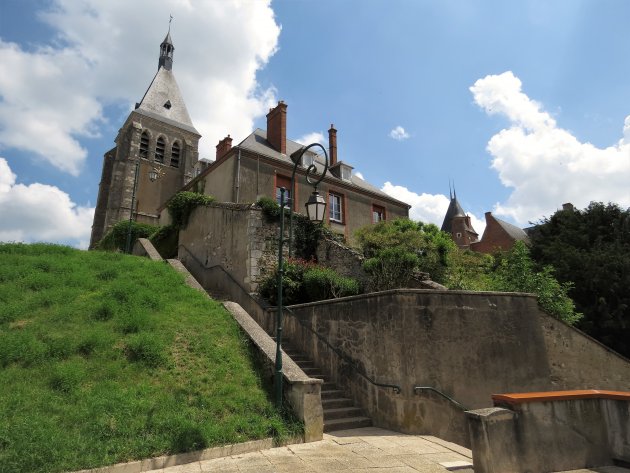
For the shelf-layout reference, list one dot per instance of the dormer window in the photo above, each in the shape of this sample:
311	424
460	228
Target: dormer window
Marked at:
144	145
160	146
346	173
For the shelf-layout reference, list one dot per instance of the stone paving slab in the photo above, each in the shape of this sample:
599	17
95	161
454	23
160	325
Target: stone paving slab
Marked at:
365	450
602	469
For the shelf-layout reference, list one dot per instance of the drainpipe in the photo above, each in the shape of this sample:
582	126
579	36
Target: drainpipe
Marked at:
238	174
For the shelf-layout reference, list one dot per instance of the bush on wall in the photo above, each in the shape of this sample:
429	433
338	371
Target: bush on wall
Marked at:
183	203
305	281
116	237
165	240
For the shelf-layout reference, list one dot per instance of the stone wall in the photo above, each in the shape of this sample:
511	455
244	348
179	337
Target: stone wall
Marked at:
555	431
467	345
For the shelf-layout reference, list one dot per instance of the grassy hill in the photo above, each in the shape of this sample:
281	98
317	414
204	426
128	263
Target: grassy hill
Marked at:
106	358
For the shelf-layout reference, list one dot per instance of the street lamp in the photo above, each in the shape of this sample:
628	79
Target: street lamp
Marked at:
154	174
315	210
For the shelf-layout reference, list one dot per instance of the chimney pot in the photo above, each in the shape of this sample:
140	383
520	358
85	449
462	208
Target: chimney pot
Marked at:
223	147
332	145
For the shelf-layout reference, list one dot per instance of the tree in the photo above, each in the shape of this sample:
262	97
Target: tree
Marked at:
591	247
515	272
395	249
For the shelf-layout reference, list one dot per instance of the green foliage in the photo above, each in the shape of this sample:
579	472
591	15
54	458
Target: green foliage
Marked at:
395	249
116	237
469	271
165	240
324	283
270	208
591	248
305	281
515	272
115	359
182	204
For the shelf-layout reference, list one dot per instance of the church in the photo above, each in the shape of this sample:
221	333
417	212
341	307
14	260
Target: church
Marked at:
157	150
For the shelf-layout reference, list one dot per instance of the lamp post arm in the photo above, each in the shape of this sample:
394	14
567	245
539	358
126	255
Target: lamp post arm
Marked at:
311	169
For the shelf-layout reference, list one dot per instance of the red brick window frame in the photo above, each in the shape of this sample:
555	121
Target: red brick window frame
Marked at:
378	213
336	208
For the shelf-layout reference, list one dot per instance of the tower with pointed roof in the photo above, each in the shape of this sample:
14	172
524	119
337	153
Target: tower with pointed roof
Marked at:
158	134
458	224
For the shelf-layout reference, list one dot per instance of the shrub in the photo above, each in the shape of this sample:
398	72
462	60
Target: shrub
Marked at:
182	204
324	283
116	237
165	240
270	208
305	281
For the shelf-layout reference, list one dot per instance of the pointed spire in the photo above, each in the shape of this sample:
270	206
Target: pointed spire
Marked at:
166	50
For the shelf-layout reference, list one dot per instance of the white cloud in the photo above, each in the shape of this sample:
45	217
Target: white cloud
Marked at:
543	163
39	212
315	137
399	133
106	53
359	175
428	208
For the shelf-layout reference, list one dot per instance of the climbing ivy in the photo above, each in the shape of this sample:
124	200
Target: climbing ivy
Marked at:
183	203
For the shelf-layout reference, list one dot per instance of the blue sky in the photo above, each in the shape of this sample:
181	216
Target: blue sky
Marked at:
523	105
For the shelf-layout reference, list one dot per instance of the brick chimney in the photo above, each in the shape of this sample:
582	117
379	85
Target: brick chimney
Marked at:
332	145
568	206
277	127
224	146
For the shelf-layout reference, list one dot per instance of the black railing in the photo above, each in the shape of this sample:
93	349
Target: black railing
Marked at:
418	389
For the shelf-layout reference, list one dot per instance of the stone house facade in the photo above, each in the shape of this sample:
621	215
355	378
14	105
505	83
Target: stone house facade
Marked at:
159	135
263	163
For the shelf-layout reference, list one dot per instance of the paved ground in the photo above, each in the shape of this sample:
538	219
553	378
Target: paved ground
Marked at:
370	450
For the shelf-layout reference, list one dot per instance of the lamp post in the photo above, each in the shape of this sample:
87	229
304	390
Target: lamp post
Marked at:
154	174
315	210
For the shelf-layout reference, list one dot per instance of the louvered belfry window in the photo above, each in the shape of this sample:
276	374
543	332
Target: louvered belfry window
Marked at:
144	145
175	155
159	150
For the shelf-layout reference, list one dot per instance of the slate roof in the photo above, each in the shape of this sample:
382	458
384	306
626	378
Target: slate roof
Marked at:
454	210
165	91
257	142
515	232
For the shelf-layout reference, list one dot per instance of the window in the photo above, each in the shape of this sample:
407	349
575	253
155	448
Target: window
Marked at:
175	155
283	181
307	159
144	145
346	173
159	150
378	213
335	203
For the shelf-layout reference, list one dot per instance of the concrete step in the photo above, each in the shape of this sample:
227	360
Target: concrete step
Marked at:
329	386
342	413
331	394
305	363
336	403
311	371
346	423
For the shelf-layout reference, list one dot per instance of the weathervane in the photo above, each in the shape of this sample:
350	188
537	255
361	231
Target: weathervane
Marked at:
169	23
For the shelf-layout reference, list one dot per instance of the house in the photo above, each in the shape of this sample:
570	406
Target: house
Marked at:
159	135
498	235
263	163
458	224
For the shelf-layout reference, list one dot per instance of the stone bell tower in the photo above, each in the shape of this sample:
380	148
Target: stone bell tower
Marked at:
157	135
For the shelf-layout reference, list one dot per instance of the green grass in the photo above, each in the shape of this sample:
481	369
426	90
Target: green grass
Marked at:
106	358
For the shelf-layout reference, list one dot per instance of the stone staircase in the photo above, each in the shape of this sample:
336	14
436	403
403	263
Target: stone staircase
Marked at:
340	412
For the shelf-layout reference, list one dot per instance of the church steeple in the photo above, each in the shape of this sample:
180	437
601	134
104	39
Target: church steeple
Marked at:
166	50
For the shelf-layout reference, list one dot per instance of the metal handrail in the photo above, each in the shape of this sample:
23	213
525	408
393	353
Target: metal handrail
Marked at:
417	389
397	389
394	387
